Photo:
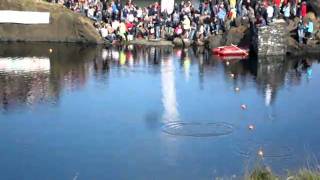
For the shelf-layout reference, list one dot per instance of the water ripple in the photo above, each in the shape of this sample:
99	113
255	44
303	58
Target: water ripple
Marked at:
195	129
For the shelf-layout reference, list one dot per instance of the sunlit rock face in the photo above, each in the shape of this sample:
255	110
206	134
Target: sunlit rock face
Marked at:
272	39
64	26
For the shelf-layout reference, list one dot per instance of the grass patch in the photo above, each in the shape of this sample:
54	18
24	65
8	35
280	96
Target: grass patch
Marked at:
305	174
261	173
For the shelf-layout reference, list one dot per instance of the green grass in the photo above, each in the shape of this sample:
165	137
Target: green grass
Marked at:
266	174
305	174
261	173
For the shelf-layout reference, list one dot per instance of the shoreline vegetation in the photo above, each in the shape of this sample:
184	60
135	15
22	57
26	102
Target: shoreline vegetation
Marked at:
265	173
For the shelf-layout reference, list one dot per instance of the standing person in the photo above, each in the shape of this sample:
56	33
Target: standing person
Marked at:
81	6
221	17
286	12
157	26
277	6
304	9
293	4
186	25
270	13
115	10
176	18
193	30
232	4
239	7
301	30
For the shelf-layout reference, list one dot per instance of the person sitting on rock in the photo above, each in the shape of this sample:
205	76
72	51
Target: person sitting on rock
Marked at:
178	31
123	31
261	22
309	28
130	30
104	31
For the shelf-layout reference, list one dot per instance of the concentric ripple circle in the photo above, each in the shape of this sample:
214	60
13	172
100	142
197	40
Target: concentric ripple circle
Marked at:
270	150
195	129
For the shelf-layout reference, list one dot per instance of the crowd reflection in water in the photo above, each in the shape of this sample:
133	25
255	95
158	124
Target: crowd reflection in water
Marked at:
72	66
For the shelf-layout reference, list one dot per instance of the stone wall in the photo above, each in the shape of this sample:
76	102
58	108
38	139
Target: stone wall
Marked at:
272	40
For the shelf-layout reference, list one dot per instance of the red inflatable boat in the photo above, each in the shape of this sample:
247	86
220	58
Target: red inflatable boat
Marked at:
232	51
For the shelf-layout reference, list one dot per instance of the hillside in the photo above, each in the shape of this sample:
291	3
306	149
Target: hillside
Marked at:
65	25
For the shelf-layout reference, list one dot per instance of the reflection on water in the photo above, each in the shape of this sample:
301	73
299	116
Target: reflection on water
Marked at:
169	90
125	109
25	64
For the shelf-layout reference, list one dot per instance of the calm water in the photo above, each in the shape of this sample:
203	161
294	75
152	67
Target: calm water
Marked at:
152	113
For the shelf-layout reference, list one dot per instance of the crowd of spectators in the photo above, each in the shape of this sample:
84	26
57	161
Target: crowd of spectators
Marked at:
119	21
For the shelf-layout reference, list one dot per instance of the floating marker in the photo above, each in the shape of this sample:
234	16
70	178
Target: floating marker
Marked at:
232	75
243	106
260	153
237	89
50	50
227	63
251	127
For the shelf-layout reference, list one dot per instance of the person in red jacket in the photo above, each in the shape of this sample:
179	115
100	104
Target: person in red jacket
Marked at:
303	9
277	3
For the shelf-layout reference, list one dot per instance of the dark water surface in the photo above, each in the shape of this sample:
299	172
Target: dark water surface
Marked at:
152	113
